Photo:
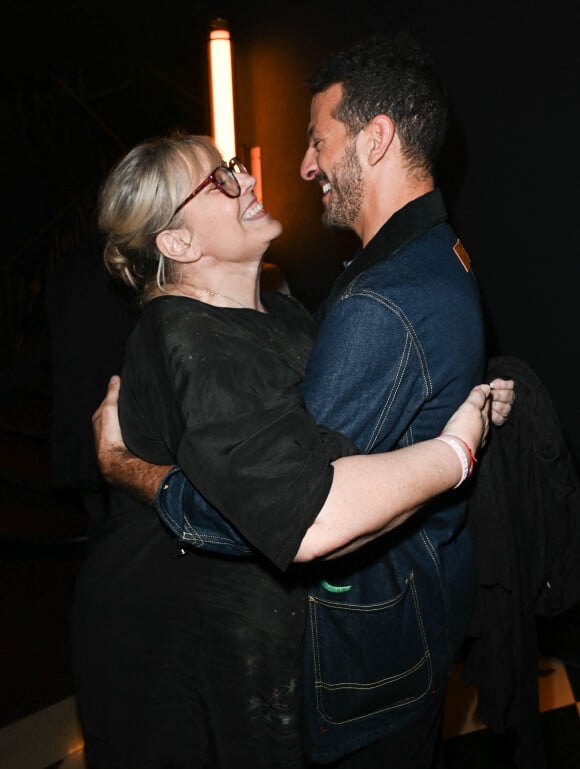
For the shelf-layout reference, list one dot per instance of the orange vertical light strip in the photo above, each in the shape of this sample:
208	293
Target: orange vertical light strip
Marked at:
221	88
256	169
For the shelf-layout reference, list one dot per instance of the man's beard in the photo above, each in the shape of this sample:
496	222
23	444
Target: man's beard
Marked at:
345	201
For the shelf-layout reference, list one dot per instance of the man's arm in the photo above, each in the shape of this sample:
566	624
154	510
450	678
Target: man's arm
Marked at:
188	515
117	464
161	486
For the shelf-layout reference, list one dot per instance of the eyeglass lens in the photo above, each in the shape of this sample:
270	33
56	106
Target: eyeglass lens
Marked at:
226	179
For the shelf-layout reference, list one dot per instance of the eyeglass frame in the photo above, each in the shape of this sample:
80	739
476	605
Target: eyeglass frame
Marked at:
212	179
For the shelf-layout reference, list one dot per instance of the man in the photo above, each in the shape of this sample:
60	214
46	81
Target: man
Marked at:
401	343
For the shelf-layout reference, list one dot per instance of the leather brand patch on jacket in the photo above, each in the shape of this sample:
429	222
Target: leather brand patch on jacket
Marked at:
462	255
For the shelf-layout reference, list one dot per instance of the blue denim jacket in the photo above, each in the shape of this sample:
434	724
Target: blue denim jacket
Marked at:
401	344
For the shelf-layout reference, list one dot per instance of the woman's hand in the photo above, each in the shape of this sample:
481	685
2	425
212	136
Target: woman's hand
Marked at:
471	420
502	399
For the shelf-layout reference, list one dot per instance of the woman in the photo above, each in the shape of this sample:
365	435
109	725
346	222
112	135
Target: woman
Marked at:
211	382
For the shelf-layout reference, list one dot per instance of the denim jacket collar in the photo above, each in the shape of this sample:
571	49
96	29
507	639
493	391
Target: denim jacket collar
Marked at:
406	224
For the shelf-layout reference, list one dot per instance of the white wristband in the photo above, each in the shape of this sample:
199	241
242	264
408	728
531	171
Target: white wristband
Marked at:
460	451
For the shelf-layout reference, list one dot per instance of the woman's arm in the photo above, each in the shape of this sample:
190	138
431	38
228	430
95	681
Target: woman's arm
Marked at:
370	494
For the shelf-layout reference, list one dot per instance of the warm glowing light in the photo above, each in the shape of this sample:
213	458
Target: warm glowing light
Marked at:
222	92
256	169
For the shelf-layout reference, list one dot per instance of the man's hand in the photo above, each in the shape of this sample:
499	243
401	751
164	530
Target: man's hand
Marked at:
117	464
502	399
109	442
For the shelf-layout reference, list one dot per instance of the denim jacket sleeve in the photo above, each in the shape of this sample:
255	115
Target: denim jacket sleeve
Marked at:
193	520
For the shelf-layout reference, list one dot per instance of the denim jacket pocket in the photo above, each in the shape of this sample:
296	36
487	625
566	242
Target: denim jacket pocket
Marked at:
354	680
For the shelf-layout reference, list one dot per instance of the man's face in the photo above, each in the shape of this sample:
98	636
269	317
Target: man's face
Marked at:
331	159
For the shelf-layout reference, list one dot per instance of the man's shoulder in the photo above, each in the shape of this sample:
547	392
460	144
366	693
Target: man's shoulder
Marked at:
435	246
434	258
422	287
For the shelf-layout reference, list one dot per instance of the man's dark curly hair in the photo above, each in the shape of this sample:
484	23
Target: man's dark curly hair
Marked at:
389	75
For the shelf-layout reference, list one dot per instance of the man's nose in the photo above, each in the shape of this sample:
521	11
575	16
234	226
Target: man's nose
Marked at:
309	167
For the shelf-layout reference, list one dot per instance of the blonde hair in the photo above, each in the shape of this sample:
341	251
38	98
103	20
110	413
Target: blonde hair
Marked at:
137	201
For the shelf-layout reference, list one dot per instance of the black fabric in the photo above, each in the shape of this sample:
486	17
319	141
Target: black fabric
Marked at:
196	661
524	513
185	662
216	391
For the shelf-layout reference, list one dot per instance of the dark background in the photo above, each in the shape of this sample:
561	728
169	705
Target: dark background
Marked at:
82	82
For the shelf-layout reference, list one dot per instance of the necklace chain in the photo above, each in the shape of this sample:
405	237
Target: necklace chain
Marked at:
223	296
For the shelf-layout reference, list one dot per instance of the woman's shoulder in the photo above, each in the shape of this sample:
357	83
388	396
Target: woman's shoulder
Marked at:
179	314
172	327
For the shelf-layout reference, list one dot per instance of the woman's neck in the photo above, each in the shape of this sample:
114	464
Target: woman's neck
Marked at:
219	288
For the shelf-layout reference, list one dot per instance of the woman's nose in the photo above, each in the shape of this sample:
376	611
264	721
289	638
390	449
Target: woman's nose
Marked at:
246	180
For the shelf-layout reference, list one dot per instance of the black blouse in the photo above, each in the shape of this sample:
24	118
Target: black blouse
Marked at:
216	391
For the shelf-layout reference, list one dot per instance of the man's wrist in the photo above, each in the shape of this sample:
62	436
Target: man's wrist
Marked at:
113	463
120	467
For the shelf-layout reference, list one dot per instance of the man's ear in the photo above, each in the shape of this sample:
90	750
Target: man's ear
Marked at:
379	135
176	244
